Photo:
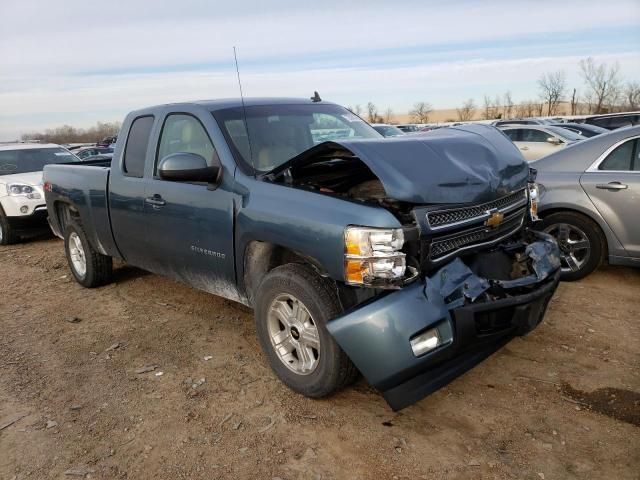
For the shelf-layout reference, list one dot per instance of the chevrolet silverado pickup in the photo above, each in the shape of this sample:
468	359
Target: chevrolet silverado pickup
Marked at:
408	260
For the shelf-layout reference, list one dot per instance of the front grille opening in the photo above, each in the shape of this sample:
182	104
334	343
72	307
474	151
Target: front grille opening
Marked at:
489	323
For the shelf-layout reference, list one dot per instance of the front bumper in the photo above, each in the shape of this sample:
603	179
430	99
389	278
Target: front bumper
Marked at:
377	335
33	222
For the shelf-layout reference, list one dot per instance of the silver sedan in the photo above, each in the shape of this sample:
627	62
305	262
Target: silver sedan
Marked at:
590	201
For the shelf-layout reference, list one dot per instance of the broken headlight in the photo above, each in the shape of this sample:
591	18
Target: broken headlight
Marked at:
373	256
534	197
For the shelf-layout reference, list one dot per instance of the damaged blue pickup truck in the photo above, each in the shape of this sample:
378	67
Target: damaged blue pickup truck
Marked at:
408	260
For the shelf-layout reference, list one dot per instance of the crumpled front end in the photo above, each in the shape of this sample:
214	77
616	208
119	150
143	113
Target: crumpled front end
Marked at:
410	342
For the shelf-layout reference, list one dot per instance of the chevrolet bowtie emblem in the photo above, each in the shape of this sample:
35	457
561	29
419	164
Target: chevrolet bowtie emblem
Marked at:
494	220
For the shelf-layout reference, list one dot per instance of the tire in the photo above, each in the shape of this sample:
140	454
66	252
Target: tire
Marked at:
333	370
98	268
7	235
580	228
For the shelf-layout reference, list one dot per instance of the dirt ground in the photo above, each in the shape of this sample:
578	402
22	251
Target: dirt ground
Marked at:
561	403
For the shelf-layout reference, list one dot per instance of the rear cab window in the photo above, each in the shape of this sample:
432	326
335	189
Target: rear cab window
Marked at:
135	151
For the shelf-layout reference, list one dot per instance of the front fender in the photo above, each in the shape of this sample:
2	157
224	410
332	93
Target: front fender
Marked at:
311	224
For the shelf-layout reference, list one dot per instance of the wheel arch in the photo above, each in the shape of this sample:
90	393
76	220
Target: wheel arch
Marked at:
260	257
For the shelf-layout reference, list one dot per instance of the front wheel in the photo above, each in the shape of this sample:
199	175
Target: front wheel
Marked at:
582	244
89	267
293	305
7	235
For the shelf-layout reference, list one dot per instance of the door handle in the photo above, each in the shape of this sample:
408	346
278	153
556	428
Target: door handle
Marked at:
612	186
524	148
156	201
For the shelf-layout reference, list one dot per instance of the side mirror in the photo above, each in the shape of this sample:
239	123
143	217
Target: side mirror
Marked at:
554	140
189	167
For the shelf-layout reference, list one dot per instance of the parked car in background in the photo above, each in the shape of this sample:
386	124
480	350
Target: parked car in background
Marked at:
409	128
590	201
537	141
355	253
614	120
23	209
108	142
584	129
521	121
92	151
387	130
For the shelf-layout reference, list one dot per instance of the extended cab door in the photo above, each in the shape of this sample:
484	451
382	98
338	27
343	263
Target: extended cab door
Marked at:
189	226
127	189
613	185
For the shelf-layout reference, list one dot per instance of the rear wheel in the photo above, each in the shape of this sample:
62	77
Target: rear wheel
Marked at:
582	244
89	267
293	306
7	235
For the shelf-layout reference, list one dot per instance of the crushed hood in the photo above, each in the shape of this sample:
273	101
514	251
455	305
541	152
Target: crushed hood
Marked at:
465	164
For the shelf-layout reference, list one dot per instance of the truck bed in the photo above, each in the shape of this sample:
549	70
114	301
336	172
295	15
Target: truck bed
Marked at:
84	188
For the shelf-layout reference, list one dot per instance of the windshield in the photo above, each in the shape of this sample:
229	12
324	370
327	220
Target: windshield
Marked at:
277	133
26	160
566	134
388	130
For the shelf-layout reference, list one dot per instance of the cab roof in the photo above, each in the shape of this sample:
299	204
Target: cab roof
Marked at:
26	146
224	103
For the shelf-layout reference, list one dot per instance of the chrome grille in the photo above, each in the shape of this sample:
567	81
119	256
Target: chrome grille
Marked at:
444	246
440	219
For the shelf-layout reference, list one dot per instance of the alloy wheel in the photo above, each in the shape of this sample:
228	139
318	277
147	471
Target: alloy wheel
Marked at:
294	334
575	248
76	252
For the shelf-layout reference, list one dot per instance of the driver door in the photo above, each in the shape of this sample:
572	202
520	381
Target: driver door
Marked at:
190	225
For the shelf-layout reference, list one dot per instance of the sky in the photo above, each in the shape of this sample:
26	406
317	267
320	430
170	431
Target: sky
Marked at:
79	61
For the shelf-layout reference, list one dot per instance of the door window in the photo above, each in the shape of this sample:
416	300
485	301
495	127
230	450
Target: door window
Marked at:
514	134
135	151
622	158
531	135
182	133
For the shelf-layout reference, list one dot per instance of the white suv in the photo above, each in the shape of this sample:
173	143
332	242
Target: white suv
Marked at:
22	206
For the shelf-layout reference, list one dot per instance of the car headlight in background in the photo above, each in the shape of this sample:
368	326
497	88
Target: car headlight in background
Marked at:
22	190
534	198
373	256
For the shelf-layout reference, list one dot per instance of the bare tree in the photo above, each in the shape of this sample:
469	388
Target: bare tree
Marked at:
467	111
496	107
632	95
575	98
420	112
69	134
603	84
491	108
372	112
525	109
507	104
552	87
388	115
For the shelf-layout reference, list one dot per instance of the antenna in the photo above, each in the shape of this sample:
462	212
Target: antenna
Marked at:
244	109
